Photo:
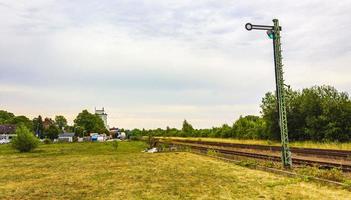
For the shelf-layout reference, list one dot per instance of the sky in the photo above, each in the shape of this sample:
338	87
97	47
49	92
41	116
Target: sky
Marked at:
154	63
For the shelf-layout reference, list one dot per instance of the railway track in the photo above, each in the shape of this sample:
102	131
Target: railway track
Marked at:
342	154
299	161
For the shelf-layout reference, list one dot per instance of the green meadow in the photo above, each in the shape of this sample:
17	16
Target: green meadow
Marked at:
98	171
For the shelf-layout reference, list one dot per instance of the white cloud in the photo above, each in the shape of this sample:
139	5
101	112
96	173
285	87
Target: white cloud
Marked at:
154	63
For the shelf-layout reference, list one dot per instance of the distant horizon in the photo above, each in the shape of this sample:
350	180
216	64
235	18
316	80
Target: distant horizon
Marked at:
71	123
152	64
178	123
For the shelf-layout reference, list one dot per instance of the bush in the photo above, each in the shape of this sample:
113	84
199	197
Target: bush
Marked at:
25	140
47	141
330	174
212	152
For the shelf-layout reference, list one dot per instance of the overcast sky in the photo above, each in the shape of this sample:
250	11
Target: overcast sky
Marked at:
155	63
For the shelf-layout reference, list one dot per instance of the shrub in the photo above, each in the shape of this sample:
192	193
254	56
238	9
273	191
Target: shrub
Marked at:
47	141
330	174
212	152
25	140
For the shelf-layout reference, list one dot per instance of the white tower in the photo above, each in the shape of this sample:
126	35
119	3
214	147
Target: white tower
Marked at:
101	113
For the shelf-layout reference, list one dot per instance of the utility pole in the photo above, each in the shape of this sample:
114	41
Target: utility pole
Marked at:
273	32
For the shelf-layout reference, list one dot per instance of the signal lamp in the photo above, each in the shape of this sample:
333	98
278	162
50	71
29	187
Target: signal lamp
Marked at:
270	34
248	26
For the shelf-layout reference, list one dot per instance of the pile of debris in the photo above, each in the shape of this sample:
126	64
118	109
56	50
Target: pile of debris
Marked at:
152	150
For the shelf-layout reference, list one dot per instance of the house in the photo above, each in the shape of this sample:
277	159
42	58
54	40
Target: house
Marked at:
66	137
6	138
48	122
7	129
7	133
114	132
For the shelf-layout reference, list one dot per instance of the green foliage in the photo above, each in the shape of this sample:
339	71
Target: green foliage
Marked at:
90	122
25	140
79	131
10	118
47	141
319	113
329	174
187	129
22	120
249	127
60	121
212	152
52	132
5	117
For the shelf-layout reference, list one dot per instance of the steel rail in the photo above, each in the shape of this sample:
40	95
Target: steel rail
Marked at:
297	150
299	161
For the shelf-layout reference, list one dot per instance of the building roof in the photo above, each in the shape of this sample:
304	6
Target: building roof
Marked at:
7	128
66	135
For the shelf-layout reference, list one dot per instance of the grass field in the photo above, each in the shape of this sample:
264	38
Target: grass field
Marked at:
305	144
97	171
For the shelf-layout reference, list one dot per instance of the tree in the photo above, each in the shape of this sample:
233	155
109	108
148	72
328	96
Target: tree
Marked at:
52	132
60	121
38	126
226	131
78	131
25	140
22	120
90	122
10	118
187	129
318	113
5	117
327	114
249	127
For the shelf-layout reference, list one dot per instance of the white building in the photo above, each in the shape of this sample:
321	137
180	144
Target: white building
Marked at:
103	116
7	133
66	137
6	138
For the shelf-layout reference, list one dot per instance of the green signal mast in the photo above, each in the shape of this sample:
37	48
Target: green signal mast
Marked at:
273	32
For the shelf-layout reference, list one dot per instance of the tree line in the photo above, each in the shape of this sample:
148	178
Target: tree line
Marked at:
84	123
319	113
